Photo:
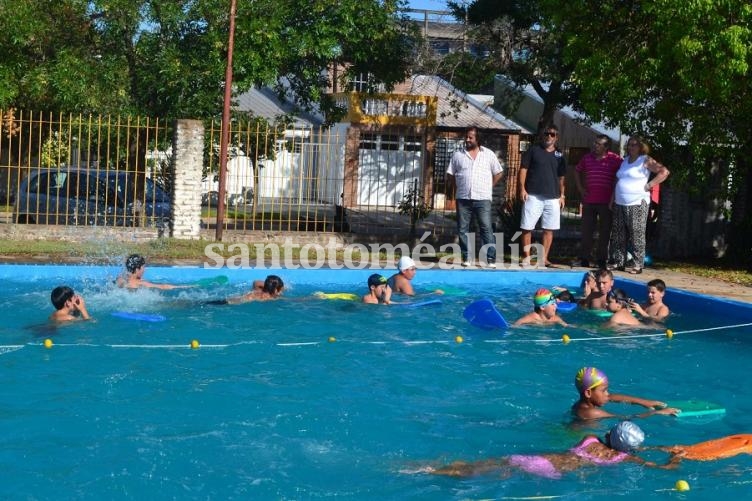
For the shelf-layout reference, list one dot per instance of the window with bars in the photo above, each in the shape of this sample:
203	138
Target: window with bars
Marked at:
445	148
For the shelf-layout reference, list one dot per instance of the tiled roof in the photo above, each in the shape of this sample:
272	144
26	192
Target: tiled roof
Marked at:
457	109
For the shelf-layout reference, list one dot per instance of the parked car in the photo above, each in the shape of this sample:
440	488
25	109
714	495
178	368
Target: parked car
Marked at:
90	198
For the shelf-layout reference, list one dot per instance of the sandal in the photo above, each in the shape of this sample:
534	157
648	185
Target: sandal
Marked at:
635	271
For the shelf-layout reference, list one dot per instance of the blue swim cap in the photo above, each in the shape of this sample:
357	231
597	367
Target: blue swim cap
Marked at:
625	436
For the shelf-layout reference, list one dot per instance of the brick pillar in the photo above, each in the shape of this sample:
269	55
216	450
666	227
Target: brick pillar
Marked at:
187	164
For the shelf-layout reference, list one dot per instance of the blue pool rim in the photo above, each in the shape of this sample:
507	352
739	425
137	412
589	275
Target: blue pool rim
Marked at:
340	279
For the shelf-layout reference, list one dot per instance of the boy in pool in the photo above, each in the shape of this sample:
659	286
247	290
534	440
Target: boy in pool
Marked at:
616	447
592	385
619	304
270	288
544	310
596	300
589	283
379	291
135	265
401	282
654	308
69	306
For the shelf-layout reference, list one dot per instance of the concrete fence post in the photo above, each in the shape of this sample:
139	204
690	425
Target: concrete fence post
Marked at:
187	166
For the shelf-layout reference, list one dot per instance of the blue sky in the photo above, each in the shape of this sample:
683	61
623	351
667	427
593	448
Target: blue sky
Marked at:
428	4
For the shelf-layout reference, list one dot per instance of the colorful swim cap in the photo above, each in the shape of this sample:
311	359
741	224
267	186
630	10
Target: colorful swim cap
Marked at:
588	378
625	436
543	297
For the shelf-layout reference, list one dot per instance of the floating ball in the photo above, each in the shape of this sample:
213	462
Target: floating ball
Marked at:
682	485
195	344
648	260
669	333
48	343
332	339
565	339
458	339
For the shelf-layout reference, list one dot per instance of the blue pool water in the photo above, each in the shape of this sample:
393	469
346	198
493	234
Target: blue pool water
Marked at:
269	408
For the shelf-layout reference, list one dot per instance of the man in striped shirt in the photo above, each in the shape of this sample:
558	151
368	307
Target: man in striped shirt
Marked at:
596	178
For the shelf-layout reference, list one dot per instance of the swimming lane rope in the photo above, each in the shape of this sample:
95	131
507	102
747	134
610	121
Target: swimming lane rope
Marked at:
194	344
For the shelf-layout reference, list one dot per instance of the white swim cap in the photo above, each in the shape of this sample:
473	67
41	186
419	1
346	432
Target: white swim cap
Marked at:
405	263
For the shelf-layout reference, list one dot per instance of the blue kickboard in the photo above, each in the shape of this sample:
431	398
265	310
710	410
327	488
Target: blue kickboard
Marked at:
566	306
418	304
483	314
144	317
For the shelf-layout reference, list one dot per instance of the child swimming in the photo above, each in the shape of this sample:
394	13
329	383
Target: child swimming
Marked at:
379	291
592	385
135	266
618	303
616	447
544	310
654	309
271	288
69	306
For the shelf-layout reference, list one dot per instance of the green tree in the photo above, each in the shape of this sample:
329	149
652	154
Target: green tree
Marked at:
679	73
521	41
167	58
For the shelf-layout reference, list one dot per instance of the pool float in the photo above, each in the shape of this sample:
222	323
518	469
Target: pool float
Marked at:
418	304
450	290
601	313
694	408
144	317
483	314
343	296
566	306
718	448
211	281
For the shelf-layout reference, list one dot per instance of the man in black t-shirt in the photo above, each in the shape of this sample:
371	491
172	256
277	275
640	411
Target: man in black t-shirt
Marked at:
541	184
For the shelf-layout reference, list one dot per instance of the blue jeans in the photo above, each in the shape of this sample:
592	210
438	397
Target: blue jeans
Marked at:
481	209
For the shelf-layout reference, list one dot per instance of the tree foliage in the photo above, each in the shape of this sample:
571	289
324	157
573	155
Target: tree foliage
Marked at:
679	73
167	57
524	44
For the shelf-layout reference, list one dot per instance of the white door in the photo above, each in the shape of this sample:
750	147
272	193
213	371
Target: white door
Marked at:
388	165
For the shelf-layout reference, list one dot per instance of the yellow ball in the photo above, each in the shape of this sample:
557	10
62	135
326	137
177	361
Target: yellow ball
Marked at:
332	339
48	343
682	485
565	339
195	344
669	333
458	339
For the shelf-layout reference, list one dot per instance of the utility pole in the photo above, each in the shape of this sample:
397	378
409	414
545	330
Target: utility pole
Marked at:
225	139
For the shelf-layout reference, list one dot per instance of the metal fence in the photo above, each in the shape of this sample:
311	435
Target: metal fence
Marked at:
82	170
87	170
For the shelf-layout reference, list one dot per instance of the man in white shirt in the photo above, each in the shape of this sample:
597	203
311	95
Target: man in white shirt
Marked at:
474	172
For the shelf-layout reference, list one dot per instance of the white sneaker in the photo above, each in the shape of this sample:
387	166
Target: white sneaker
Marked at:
492	266
465	264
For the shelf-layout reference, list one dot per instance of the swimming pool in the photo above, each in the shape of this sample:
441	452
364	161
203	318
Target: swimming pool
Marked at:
269	408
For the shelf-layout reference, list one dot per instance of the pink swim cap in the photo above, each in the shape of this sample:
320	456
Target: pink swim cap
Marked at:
588	378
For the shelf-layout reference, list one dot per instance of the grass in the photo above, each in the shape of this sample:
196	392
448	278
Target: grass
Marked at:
163	250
